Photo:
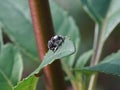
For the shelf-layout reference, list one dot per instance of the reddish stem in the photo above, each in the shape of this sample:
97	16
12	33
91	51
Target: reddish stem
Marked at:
43	28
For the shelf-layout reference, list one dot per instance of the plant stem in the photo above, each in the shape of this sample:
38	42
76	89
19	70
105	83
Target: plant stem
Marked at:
97	46
79	81
70	75
43	28
1	37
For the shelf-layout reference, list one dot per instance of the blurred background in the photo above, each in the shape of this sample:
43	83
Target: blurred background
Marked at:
86	27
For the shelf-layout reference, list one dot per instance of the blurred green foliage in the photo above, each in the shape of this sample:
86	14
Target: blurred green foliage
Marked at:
73	18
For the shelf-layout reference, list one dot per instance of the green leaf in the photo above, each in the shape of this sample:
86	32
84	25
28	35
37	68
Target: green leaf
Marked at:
27	84
97	9
109	65
105	13
11	63
15	17
66	26
83	59
66	49
4	82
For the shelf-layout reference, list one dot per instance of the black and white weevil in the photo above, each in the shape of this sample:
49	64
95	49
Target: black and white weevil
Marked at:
55	42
